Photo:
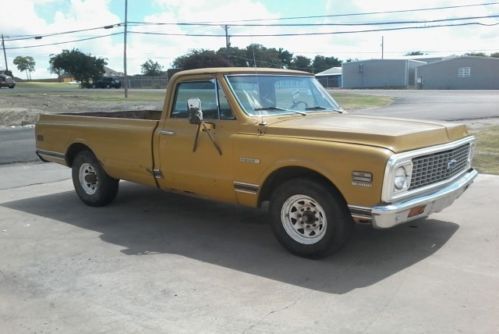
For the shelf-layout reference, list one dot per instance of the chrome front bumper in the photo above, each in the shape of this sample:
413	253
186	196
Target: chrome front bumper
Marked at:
389	215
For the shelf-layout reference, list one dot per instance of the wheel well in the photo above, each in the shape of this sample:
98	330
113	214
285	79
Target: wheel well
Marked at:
73	151
285	174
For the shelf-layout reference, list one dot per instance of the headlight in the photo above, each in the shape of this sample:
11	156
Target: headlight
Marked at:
401	179
398	175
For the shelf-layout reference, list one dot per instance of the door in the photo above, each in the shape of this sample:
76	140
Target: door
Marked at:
204	168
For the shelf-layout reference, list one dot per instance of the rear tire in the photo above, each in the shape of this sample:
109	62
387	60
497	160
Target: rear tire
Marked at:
92	184
309	218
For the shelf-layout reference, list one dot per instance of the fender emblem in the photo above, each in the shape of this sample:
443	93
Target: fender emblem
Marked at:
249	160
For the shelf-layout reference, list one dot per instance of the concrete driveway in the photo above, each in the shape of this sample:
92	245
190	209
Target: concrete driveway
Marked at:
154	262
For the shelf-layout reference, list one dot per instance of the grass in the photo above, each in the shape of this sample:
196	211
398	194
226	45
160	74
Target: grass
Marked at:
351	101
45	85
73	91
487	150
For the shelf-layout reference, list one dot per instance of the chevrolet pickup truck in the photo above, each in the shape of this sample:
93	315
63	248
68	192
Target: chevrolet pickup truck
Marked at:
255	136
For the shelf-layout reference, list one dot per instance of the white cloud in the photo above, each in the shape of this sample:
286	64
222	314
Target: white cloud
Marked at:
79	14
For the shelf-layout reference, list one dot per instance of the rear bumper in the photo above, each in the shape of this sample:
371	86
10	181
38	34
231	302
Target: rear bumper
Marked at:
389	215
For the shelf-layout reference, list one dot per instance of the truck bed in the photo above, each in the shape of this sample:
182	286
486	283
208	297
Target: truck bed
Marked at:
122	140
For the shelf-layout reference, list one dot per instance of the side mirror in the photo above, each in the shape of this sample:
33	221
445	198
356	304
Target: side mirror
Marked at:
194	110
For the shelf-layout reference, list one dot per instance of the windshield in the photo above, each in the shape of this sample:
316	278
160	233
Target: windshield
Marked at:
267	94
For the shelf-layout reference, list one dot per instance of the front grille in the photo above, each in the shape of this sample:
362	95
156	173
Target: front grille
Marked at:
440	166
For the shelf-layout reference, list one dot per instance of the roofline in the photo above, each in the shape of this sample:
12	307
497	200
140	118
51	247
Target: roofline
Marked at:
460	57
228	70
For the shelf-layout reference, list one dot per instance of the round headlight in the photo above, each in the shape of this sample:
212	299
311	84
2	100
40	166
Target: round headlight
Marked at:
401	178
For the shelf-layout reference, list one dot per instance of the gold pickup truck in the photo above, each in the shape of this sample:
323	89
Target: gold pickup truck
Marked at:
253	136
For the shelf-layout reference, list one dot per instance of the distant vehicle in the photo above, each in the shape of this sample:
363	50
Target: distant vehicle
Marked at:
107	82
7	81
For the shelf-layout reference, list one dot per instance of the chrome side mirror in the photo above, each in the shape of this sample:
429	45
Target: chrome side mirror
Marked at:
194	110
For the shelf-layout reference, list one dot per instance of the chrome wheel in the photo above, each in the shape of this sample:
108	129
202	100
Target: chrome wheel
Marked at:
88	178
303	219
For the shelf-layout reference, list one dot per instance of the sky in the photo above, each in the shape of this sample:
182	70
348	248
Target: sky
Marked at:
38	17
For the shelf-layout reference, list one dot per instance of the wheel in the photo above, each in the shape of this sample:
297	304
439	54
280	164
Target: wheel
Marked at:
91	182
11	86
309	218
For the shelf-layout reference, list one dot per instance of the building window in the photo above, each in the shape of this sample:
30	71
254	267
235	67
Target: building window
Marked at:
464	72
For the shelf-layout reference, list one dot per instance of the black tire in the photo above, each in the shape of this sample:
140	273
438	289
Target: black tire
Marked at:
310	218
12	86
91	182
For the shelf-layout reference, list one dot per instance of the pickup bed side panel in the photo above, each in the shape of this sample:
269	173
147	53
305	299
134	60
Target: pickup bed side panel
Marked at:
123	146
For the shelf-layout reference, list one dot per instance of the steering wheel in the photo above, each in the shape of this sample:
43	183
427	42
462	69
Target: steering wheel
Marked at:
297	103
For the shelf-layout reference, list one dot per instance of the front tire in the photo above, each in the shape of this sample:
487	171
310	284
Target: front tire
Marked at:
309	218
92	184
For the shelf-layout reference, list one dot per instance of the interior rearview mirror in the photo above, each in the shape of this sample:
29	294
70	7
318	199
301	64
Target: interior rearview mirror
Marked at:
194	110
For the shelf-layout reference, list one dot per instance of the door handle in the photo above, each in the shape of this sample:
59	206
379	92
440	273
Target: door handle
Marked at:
167	132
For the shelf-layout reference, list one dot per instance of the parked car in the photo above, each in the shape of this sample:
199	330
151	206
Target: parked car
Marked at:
250	136
107	82
7	81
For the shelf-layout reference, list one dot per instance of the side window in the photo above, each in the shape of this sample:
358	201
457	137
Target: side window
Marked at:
225	111
211	100
205	90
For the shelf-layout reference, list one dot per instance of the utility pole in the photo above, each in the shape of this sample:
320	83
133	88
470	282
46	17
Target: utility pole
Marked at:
227	37
125	79
4	55
382	47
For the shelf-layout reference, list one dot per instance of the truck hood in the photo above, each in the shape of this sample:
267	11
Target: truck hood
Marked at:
397	135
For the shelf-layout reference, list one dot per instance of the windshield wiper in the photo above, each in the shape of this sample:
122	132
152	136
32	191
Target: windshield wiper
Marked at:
322	108
281	109
315	108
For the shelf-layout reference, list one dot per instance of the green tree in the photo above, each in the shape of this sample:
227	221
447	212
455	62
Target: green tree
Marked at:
495	54
234	55
84	68
260	56
151	68
322	63
301	63
25	64
199	59
285	56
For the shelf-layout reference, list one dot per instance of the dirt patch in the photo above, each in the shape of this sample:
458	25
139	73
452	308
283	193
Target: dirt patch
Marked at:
24	109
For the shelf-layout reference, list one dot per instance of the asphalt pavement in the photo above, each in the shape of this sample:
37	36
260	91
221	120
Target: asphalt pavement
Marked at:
444	105
17	145
154	262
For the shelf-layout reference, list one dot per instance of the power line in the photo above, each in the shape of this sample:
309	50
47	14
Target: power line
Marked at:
318	24
39	36
317	33
357	14
65	42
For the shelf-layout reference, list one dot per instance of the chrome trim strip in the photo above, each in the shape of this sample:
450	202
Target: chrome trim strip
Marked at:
52	154
400	158
385	216
246	187
166	132
360	212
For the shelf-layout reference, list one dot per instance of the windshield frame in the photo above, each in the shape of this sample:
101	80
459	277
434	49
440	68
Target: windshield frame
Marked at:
287	112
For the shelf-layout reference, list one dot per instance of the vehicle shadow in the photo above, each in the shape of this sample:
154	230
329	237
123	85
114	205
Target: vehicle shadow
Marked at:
147	221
